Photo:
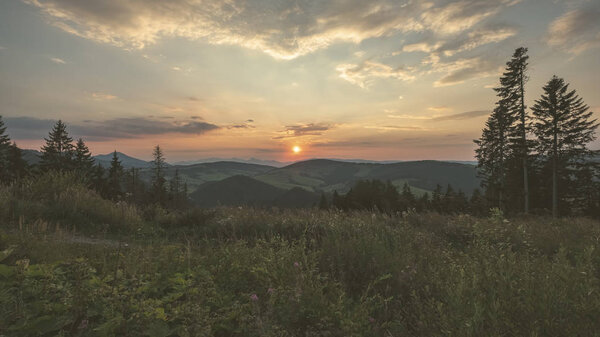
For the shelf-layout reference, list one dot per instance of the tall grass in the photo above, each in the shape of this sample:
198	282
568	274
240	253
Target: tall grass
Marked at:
250	272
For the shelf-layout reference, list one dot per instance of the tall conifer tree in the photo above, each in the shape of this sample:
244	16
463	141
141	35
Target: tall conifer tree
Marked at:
84	163
492	153
4	152
512	93
57	154
115	172
17	166
563	126
158	175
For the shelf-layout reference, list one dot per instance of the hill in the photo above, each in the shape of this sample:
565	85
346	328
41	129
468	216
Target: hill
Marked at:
242	190
198	174
328	175
126	161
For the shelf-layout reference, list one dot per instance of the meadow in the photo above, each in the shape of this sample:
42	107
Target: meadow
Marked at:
74	264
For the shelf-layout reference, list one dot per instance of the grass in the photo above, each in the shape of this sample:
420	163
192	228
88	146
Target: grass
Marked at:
250	272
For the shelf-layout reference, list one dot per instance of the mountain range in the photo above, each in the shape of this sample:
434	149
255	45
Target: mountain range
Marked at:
300	183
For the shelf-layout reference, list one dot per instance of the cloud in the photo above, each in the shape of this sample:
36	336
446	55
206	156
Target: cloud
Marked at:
438	108
464	69
462	116
100	96
363	74
437	118
408	117
246	125
57	60
299	130
2	48
282	29
576	30
134	127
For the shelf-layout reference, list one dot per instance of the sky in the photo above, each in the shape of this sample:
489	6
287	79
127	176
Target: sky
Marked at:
378	79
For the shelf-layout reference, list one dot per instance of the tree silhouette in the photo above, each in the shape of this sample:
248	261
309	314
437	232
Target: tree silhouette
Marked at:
83	160
158	175
115	172
512	94
4	152
563	126
17	166
493	151
57	154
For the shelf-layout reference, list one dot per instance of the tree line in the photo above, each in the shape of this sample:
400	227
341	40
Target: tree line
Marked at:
376	195
538	158
61	153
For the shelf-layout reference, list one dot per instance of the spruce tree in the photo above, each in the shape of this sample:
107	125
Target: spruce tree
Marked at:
17	166
115	172
158	175
323	204
4	152
512	94
57	154
563	126
492	153
83	160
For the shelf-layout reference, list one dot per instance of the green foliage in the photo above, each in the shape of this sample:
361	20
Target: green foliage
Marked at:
251	272
61	198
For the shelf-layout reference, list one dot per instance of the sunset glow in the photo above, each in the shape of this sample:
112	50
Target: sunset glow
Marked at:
296	149
380	80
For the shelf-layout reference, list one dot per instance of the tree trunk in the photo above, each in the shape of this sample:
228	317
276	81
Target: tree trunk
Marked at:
524	141
554	177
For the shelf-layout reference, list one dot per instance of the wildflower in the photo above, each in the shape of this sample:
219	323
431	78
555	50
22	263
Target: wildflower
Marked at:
254	297
371	320
296	264
270	291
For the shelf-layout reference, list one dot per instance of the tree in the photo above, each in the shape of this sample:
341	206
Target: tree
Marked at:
563	127
323	204
83	160
407	198
158	175
115	172
17	166
493	151
512	94
57	154
4	152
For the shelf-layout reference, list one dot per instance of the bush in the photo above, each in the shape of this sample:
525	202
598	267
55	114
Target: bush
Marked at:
62	198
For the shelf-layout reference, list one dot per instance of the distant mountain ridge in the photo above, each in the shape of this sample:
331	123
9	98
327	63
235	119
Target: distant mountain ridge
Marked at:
126	161
313	175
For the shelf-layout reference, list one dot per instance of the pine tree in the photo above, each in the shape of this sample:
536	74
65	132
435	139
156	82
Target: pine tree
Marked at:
512	94
323	204
407	198
158	176
83	160
4	152
563	127
492	153
57	154
17	166
115	172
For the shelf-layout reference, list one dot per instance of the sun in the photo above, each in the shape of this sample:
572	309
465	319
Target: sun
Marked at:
296	149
